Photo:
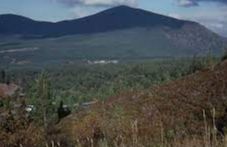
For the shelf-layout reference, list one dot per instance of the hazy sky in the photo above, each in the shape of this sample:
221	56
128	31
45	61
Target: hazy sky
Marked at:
211	13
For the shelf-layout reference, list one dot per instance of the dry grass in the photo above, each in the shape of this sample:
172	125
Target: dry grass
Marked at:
181	113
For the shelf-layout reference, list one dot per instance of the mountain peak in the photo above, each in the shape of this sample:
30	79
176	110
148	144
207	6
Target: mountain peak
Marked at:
123	7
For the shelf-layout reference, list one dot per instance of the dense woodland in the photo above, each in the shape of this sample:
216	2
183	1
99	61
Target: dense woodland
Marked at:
82	82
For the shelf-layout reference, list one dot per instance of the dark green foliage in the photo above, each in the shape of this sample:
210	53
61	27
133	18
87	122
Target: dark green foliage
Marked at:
8	79
3	76
80	83
1	104
224	57
62	111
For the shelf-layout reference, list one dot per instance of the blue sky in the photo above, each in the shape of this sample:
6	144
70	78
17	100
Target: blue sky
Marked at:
211	13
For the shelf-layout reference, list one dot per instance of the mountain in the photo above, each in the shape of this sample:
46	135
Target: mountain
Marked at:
118	33
121	17
18	25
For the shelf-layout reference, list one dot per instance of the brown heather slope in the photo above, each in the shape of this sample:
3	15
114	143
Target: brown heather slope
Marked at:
173	111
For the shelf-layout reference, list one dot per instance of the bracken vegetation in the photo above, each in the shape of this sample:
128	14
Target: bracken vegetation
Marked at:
177	103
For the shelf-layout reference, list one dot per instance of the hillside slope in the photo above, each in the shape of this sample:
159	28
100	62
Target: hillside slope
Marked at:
136	43
174	111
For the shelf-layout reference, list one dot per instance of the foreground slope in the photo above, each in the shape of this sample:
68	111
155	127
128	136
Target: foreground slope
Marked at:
175	110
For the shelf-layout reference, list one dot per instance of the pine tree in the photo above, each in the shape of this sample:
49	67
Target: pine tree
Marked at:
3	76
224	57
7	79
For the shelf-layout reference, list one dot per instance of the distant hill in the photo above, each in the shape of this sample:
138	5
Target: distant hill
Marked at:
120	33
121	17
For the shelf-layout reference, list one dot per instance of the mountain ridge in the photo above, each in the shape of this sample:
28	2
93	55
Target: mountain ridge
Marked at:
117	18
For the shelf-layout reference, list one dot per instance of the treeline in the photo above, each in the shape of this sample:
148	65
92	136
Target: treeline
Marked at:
80	83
